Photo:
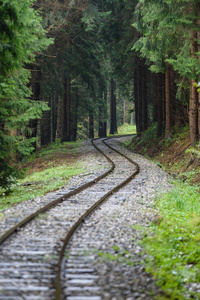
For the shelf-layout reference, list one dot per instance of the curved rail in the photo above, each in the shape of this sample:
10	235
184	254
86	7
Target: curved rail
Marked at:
58	287
6	235
52	204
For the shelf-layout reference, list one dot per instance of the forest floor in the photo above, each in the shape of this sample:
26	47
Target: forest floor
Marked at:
175	155
46	170
173	240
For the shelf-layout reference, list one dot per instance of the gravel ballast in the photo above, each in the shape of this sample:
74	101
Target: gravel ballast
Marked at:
104	259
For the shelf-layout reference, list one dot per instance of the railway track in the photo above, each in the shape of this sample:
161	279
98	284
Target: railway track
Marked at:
32	251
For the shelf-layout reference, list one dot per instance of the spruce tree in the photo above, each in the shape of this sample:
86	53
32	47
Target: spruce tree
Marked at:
21	37
168	41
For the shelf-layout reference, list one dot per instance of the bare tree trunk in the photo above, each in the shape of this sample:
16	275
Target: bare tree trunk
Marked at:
193	114
156	97
105	113
66	128
91	125
35	87
198	47
136	92
60	119
68	100
138	96
144	98
101	110
125	112
167	103
113	113
198	116
54	115
74	121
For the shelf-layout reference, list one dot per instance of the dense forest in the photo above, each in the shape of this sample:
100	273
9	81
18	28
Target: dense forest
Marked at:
73	69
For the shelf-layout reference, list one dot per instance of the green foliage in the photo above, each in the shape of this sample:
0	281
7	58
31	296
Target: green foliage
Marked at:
126	129
7	174
21	36
50	152
165	29
150	134
40	183
54	176
194	150
174	242
122	256
117	39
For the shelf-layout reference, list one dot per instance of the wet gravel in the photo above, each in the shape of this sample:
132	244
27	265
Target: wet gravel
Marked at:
104	259
108	242
93	163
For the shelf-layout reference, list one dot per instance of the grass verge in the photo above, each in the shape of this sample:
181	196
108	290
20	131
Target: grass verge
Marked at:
173	240
174	243
125	129
46	170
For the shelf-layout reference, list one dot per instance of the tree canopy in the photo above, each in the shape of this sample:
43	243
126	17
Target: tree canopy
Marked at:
21	37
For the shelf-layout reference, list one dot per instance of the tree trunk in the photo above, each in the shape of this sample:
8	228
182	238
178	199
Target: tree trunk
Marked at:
136	98
102	132
198	47
125	112
113	113
68	100
45	128
54	115
144	98
105	113
60	118
91	125
74	121
34	84
100	110
193	114
167	103
156	98
161	102
198	116
66	129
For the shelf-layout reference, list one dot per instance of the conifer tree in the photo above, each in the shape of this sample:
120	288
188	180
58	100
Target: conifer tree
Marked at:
21	36
168	39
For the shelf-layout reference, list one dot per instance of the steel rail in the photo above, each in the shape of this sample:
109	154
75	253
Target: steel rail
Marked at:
52	204
58	287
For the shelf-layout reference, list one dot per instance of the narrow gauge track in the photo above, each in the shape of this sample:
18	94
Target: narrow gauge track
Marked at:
32	255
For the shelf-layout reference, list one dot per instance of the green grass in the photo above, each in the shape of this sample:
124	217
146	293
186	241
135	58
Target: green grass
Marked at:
125	129
39	183
122	256
54	174
174	243
50	151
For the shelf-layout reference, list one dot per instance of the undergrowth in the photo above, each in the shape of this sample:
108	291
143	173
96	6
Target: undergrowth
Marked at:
122	256
125	129
39	184
174	243
46	170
